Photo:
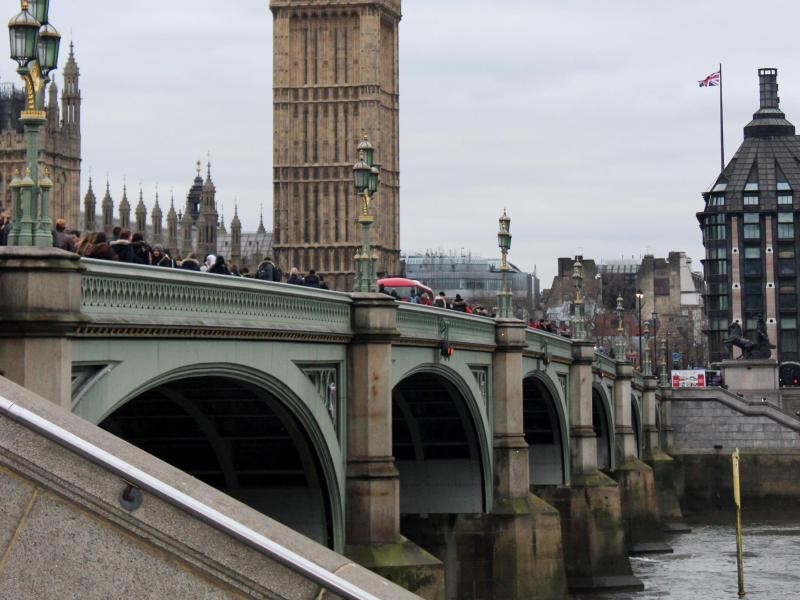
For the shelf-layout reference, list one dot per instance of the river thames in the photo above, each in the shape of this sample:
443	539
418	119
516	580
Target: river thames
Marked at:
703	565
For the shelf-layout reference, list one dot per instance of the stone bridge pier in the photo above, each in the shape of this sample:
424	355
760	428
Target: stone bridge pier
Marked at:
590	506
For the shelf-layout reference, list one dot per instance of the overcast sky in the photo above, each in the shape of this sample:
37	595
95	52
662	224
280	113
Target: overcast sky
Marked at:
583	118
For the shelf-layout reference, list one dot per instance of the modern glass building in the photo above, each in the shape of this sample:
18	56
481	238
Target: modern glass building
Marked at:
750	233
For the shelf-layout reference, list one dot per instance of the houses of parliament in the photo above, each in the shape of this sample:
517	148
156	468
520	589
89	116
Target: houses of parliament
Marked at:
335	76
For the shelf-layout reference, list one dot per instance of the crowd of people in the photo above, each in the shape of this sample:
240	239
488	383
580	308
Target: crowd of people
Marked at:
125	246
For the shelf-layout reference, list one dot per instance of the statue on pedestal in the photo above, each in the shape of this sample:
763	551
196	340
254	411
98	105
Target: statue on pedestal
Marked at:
761	348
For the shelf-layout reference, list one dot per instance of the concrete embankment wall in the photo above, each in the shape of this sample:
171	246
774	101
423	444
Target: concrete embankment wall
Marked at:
708	425
769	479
65	534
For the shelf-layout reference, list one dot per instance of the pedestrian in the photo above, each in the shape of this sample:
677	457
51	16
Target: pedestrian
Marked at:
266	269
141	250
62	239
160	258
294	277
311	280
123	247
322	284
440	301
190	263
235	271
219	267
99	248
459	304
5	227
426	299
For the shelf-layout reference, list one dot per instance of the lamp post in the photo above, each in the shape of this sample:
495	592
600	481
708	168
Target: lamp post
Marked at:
504	308
365	176
620	350
655	342
578	324
647	366
34	46
662	364
639	297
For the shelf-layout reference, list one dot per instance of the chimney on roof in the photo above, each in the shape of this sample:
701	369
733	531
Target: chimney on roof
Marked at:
768	88
768	121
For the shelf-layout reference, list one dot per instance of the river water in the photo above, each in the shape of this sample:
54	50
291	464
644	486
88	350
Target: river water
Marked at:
703	565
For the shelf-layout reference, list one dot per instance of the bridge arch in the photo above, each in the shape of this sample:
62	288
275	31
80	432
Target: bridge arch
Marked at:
546	430
228	422
440	446
603	423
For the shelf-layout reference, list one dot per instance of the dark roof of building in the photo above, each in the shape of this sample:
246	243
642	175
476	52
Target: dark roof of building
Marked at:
769	154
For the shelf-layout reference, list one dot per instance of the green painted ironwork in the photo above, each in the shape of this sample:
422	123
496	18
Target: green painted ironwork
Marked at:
422	322
120	293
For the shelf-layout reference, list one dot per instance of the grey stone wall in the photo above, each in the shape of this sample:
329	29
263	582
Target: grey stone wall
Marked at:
704	423
64	533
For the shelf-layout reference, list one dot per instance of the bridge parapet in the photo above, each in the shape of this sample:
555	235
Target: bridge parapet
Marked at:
426	323
115	295
548	346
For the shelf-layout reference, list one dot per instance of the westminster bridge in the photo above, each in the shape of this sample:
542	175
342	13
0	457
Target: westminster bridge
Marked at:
340	416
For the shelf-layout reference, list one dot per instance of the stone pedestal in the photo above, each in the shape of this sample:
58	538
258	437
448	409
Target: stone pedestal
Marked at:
40	305
639	501
753	379
373	489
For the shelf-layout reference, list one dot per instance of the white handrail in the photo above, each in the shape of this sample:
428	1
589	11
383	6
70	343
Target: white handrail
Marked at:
213	517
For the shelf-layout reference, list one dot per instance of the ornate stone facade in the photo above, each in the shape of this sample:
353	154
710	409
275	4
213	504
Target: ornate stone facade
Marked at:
59	143
335	76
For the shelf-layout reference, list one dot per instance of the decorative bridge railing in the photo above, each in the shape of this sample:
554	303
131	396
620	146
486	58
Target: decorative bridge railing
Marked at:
118	298
126	295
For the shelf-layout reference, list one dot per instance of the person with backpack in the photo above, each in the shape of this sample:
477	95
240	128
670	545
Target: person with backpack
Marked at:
266	269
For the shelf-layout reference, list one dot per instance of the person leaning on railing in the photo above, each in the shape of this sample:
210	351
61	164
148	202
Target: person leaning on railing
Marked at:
5	227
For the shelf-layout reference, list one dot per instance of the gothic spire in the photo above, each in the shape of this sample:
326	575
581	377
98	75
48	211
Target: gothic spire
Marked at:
261	228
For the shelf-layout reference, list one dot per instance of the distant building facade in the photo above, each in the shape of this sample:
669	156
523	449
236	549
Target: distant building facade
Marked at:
750	232
59	142
476	279
199	228
335	76
670	289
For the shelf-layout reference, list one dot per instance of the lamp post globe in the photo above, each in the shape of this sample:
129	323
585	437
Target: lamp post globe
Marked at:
23	32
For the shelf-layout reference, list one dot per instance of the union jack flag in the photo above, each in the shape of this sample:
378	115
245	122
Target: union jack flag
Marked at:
709	81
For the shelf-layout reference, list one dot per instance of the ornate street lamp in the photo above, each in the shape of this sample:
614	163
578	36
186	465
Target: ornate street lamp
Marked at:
620	351
662	364
34	46
578	323
647	366
639	298
655	321
365	178
504	304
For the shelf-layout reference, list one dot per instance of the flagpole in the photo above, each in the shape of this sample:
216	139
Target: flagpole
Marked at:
721	128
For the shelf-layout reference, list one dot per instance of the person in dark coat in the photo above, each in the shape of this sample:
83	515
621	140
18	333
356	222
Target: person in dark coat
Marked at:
159	257
294	277
459	304
141	250
311	280
100	248
190	263
219	267
124	247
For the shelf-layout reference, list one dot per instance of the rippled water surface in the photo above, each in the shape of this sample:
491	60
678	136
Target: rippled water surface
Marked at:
703	565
